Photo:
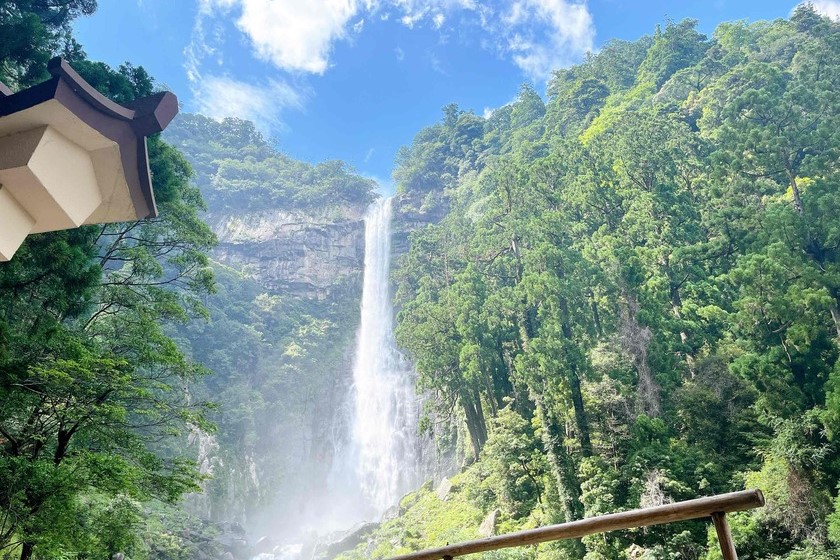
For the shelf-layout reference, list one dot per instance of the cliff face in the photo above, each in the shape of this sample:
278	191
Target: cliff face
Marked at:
309	253
315	256
303	253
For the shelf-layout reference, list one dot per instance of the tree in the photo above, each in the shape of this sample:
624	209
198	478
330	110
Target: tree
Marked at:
31	32
677	47
664	235
92	385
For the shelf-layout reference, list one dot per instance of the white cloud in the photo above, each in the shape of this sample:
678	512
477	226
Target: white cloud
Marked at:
548	34
416	11
410	19
828	8
437	64
220	96
539	36
399	53
299	35
295	35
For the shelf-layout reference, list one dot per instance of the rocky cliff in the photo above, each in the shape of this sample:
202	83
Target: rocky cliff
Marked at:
313	261
303	253
308	253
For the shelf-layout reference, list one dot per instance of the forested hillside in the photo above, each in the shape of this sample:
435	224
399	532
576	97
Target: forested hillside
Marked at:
634	296
158	394
237	170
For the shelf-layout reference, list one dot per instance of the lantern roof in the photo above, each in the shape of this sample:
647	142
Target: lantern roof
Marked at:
70	156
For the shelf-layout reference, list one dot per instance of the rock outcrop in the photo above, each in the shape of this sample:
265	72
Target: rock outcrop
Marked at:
347	541
303	253
310	253
488	526
443	489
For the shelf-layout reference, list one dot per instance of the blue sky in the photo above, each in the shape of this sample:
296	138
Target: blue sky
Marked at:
356	79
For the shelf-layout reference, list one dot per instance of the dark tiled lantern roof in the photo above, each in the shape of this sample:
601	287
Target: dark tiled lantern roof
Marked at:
70	156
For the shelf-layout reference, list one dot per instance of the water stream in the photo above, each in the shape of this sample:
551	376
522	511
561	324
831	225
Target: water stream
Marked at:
384	423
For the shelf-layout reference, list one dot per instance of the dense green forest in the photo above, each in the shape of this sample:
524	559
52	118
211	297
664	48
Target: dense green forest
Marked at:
634	296
237	170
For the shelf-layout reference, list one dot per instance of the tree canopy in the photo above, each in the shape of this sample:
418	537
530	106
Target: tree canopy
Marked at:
635	292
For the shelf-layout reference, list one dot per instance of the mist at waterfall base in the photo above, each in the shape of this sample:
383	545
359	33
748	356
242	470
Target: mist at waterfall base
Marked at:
376	456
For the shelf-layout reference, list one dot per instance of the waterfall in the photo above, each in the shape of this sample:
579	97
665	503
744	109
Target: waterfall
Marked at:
377	449
384	424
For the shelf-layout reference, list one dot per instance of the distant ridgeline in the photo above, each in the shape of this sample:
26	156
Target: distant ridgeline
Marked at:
237	169
634	297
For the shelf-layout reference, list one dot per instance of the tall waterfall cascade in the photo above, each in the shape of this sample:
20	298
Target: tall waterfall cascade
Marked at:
385	410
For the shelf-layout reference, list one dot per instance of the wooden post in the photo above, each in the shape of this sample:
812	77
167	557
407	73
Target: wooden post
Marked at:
727	546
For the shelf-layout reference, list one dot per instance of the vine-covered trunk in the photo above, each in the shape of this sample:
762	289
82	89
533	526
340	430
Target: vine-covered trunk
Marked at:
560	462
676	305
596	316
476	425
835	314
581	422
635	339
797	198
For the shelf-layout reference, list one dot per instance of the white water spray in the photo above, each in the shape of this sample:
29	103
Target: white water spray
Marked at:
384	428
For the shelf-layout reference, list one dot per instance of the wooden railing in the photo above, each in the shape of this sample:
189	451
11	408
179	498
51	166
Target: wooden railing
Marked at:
715	507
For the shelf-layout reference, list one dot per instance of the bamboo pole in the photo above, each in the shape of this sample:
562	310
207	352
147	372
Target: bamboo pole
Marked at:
668	513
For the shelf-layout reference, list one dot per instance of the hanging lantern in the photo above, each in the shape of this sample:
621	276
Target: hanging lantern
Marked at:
70	156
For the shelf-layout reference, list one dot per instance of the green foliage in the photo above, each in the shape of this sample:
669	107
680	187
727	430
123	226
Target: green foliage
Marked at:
516	465
441	153
94	397
237	169
425	520
32	32
678	46
276	359
634	296
633	299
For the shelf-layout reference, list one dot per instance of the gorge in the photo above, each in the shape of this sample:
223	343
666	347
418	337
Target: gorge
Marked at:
329	436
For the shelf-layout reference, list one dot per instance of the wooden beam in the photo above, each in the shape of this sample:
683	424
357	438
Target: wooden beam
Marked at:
668	513
727	545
